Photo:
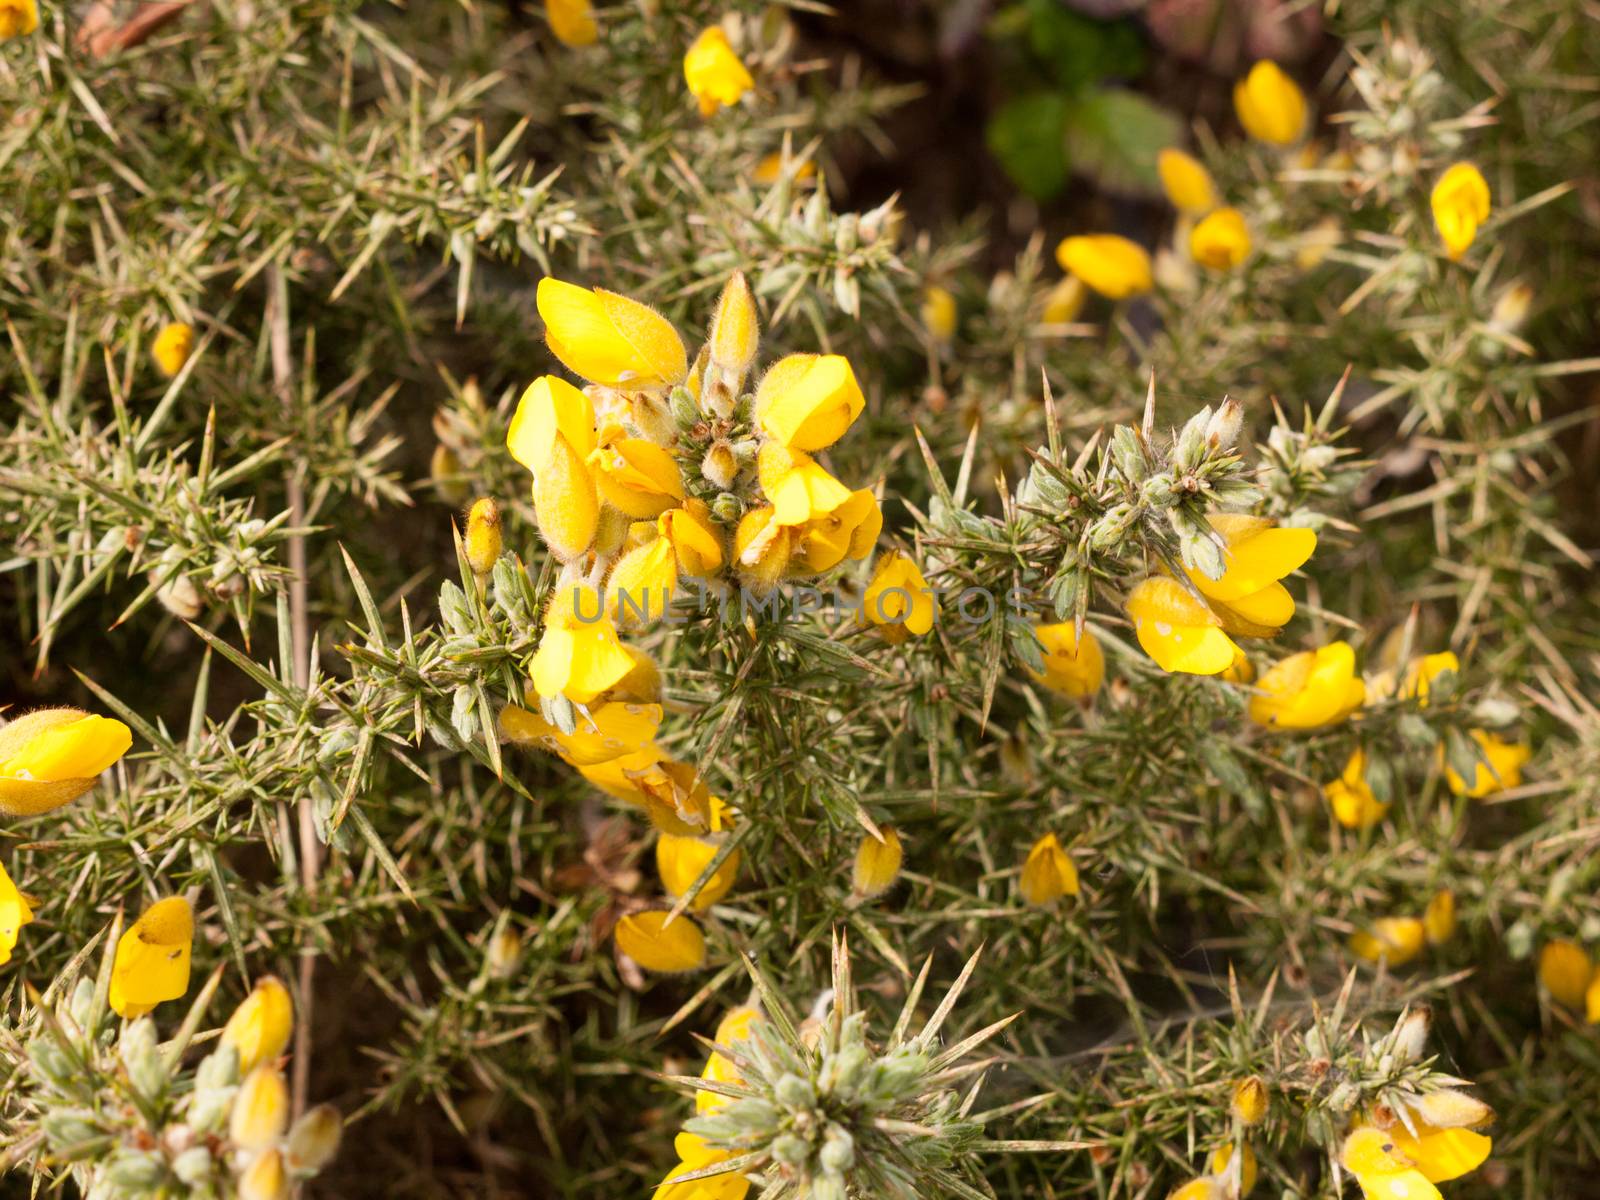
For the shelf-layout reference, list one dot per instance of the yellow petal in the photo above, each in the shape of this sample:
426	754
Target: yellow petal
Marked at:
14	914
715	76
152	959
1186	182
681	860
808	401
1442	1154
550	406
572	21
57	744
259	1028
656	946
1254	558
173	344
1110	264
1565	970
610	339
877	863
1071	668
1270	105
566	503
1048	874
1176	630
1221	241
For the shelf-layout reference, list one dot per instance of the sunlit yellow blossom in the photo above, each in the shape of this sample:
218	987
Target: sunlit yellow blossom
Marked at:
1186	182
14	914
1396	939
646	938
680	861
799	489
1249	1103
572	21
1048	874
1248	599
579	655
610	339
716	77
693	537
1502	770
604	731
1222	1156
898	600
1440	1154
1351	797
52	756
1565	969
175	342
807	401
483	540
1176	630
152	962
552	434
1065	301
1383	1174
1271	106
762	549
640	586
939	312
1071	667
1221	240
259	1028
849	531
1439	918
637	477
1309	690
1460	204
1110	264
877	863
696	1156
735	329
1418	678
260	1115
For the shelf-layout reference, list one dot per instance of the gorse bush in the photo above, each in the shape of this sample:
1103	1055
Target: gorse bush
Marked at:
579	622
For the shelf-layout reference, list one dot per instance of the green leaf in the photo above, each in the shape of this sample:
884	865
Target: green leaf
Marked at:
1025	136
1080	51
1115	135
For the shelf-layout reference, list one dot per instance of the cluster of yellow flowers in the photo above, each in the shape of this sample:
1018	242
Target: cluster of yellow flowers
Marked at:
1230	1176
1272	109
661	471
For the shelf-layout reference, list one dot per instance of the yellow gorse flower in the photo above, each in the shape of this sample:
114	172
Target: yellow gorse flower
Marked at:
1048	873
1309	690
1502	770
1270	105
734	1028
808	401
849	531
17	17
898	600
877	863
552	434
714	73
175	341
1221	241
604	731
1439	918
265	1178
1071	667
579	655
1396	940
639	589
1351	797
1187	183
1460	202
572	21
939	312
1565	969
637	477
800	489
762	548
14	914
1222	1161
1184	635
1112	265
152	960
259	1028
609	339
52	756
657	946
671	793
483	540
735	330
681	860
696	1155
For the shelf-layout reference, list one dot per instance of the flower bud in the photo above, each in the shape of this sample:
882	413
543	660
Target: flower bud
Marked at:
1270	105
504	952
735	330
259	1028
1222	431
877	864
1249	1103
720	466
260	1110
1565	970
1048	874
314	1140
483	535
265	1178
